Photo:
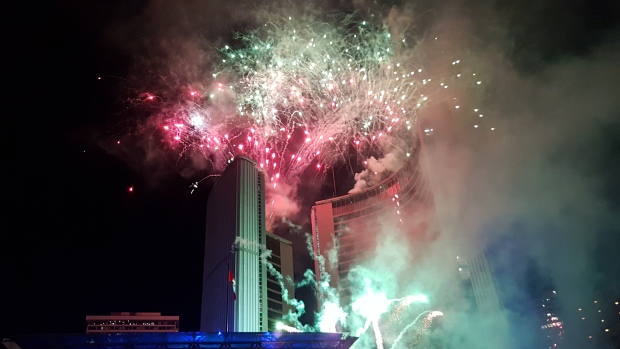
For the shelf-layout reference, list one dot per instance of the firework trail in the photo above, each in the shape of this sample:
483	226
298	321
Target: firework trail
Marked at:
427	321
371	305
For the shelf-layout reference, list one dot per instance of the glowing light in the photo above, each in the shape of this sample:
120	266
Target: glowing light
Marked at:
196	120
372	304
331	314
282	327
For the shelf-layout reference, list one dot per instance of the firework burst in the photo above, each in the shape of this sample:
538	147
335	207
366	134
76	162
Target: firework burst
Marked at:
301	93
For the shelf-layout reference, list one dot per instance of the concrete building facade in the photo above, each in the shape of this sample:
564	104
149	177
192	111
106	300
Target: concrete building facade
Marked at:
235	234
349	224
235	246
282	261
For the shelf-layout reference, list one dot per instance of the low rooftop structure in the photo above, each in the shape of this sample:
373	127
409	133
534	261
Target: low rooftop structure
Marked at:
126	322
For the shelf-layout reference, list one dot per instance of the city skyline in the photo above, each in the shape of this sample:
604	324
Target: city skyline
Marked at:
99	223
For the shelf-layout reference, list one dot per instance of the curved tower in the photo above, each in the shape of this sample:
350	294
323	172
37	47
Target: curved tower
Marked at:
348	225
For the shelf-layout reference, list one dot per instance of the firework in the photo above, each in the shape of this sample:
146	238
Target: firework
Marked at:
301	93
426	324
309	92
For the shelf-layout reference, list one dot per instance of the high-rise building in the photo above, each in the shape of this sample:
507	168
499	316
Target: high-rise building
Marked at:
235	234
235	245
282	261
349	224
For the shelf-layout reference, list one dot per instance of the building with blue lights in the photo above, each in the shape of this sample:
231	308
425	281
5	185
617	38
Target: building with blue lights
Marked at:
210	340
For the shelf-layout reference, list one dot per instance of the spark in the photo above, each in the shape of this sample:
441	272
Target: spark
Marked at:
431	314
302	77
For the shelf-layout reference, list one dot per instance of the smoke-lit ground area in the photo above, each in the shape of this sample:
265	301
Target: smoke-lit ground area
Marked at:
510	109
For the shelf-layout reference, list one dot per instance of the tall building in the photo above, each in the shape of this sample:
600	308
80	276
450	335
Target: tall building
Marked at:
235	232
349	224
235	245
282	261
126	322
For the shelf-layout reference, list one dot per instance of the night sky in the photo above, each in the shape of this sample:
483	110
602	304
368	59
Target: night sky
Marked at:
75	241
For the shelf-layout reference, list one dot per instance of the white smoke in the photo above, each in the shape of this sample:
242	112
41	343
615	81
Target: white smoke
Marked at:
376	170
281	203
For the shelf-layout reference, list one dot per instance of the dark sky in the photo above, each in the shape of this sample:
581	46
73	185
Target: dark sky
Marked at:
74	240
